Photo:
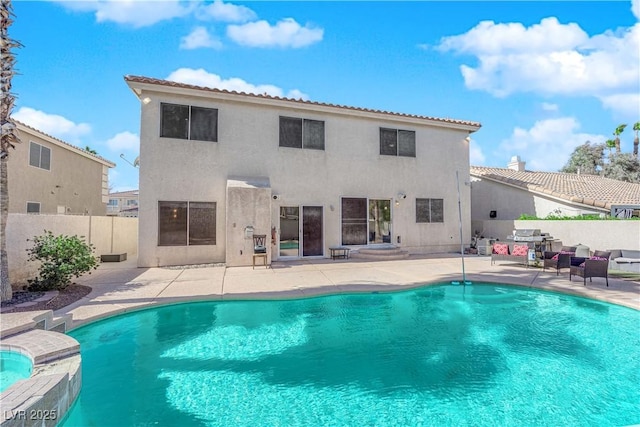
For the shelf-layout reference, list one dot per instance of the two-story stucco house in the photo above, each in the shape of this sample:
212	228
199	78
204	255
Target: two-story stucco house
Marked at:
218	167
49	176
123	203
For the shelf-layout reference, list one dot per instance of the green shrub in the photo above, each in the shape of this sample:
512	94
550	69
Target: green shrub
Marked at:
61	257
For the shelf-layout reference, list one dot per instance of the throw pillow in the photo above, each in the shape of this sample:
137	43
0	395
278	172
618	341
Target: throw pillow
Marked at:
501	249
520	250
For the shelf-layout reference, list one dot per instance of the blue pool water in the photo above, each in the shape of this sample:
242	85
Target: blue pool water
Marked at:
481	355
13	367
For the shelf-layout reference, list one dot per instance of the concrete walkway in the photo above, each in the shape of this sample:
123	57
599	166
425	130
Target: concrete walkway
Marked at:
121	287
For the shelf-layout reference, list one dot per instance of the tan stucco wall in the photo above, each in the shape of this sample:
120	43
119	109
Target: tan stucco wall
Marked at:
74	181
510	202
598	235
247	205
350	166
107	234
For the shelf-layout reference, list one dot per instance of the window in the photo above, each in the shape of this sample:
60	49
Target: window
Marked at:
113	202
33	207
301	133
39	156
429	210
188	122
394	142
186	223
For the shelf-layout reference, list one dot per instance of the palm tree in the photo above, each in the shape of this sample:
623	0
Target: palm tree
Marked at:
617	134
8	137
636	142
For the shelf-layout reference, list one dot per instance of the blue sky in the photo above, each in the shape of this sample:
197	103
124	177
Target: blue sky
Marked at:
541	77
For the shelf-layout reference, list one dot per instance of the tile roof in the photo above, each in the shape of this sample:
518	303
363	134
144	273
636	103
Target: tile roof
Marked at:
153	81
589	190
64	143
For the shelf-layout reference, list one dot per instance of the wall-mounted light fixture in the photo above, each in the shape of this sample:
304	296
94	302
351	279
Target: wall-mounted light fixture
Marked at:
401	196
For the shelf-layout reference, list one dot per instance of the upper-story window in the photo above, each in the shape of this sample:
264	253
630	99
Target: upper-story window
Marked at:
113	202
301	133
39	156
188	122
396	142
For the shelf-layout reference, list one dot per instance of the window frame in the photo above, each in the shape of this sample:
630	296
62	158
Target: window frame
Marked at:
430	210
189	124
397	142
39	160
187	239
304	143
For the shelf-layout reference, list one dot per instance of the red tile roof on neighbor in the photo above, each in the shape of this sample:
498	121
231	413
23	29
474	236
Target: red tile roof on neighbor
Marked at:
149	80
591	190
85	152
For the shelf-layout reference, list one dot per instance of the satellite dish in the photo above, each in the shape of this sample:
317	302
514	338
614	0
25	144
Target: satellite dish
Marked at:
136	162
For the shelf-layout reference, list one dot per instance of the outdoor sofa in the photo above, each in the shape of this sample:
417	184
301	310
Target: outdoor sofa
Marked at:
514	252
625	260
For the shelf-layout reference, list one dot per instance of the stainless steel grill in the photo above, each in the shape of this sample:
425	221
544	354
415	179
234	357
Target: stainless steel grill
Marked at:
540	241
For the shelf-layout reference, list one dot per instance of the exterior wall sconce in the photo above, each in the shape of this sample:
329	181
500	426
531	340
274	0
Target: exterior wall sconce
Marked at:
402	196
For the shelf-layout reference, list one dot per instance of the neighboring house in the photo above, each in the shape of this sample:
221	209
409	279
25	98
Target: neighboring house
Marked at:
123	203
507	193
47	175
219	167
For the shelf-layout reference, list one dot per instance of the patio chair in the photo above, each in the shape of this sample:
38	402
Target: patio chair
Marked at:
259	248
595	266
558	260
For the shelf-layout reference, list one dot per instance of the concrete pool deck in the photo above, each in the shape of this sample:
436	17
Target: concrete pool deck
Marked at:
122	286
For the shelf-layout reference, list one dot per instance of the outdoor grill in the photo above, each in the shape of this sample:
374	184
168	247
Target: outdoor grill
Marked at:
539	241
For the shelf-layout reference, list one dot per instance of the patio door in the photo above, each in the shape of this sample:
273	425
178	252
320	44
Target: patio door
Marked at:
289	231
312	241
301	238
366	221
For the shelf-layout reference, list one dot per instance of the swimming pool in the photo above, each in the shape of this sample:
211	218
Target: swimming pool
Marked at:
438	355
13	367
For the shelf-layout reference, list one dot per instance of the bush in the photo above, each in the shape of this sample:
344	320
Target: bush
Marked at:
61	257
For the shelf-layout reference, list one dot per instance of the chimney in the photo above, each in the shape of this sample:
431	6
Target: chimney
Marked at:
516	164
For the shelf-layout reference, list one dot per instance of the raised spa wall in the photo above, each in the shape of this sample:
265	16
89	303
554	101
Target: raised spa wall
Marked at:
44	398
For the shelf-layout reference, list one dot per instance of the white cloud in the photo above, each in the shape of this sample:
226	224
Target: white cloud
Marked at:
635	8
132	12
286	33
546	106
548	144
52	124
124	141
549	58
200	77
199	38
476	156
226	12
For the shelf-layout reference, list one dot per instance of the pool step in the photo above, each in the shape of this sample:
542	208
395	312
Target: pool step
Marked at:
381	254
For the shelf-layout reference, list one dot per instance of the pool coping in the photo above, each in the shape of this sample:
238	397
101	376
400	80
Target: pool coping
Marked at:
46	396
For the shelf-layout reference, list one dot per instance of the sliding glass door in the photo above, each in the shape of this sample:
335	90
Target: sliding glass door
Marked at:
366	221
310	228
